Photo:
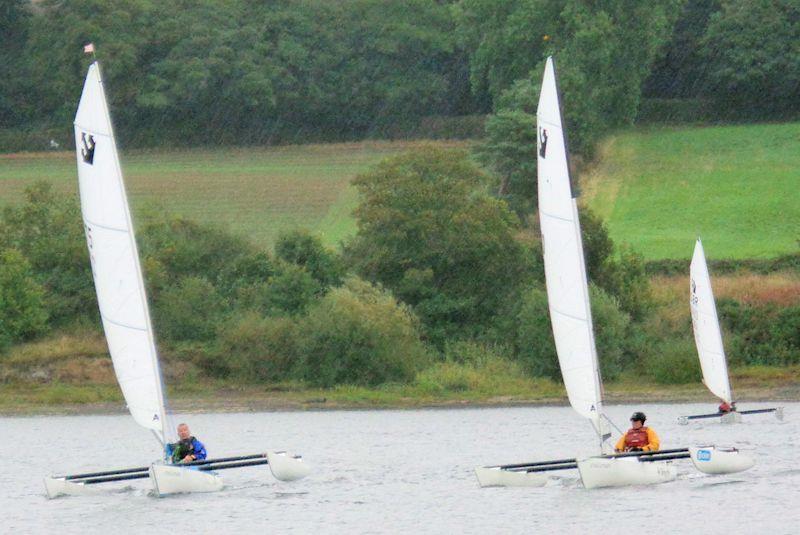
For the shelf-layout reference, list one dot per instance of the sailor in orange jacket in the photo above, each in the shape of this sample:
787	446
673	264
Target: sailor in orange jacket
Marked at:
638	437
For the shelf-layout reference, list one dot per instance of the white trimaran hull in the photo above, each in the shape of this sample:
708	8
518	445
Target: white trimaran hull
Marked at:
571	319
123	304
173	479
597	472
494	476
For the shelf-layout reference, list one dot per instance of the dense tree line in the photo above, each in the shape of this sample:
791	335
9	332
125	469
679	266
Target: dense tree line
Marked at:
741	57
236	71
244	72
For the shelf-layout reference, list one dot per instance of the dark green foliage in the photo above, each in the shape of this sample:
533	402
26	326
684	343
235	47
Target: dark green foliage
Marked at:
764	334
790	262
245	272
752	53
290	291
603	49
359	334
58	32
621	275
22	311
253	348
47	230
15	18
674	111
234	71
186	248
189	310
611	330
306	251
534	346
597	244
674	361
510	151
679	71
429	231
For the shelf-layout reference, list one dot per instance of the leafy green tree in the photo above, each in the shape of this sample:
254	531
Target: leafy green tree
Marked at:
307	251
359	334
290	291
254	348
15	18
245	271
187	248
429	231
122	34
534	347
510	151
189	310
22	306
679	70
752	55
611	330
603	49
47	230
620	272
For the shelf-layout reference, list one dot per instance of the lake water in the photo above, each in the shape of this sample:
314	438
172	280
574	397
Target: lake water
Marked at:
400	472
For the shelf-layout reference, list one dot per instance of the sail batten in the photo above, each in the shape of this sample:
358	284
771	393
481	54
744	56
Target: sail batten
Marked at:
115	260
705	324
565	268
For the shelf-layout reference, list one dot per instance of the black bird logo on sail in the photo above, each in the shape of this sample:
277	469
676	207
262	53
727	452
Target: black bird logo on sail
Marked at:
542	142
87	150
694	293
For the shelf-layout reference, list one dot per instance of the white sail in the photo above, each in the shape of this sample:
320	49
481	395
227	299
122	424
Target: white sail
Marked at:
565	269
707	334
115	259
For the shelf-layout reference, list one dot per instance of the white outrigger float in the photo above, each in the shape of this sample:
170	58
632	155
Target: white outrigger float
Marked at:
710	350
126	317
571	318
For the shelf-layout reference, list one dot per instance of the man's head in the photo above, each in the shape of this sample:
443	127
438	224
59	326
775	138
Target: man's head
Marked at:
638	419
183	431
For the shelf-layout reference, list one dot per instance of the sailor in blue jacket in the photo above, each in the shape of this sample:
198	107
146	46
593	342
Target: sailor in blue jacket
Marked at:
187	449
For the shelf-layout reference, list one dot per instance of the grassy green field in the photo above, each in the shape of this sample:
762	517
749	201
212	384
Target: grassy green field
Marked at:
737	187
254	192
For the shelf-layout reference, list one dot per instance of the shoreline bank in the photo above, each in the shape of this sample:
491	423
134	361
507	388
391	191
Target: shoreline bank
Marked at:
255	399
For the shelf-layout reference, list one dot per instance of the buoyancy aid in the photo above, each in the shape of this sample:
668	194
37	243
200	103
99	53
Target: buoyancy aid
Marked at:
637	438
182	448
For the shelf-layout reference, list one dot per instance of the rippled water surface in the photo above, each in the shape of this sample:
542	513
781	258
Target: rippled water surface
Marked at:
400	472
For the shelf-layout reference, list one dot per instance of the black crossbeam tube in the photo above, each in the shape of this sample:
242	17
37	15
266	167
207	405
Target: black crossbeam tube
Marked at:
527	465
145	474
656	458
564	466
226	459
110	479
758	411
106	473
140	469
224	466
646	453
522	466
719	414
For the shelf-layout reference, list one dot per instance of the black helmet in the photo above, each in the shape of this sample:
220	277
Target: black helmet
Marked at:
638	416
